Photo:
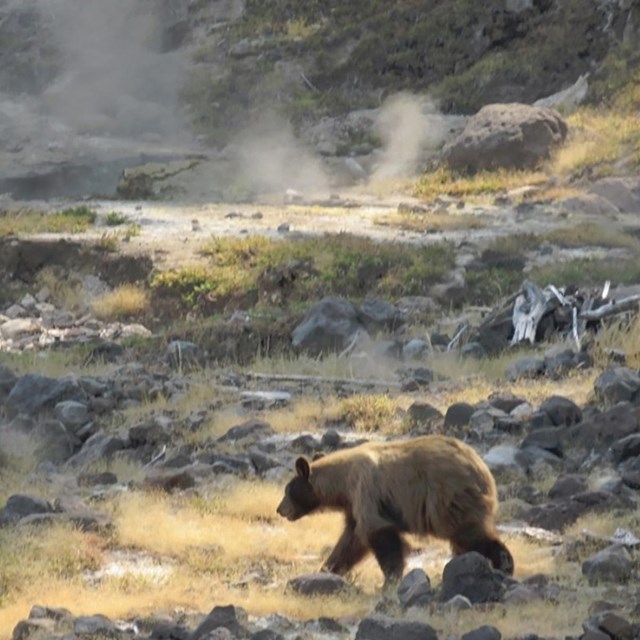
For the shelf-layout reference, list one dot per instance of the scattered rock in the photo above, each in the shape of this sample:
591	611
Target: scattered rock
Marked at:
34	393
510	136
380	627
330	325
470	575
318	584
415	589
613	564
618	384
20	506
222	617
485	632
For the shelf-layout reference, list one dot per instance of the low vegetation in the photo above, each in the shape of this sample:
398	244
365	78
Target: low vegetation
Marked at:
485	184
123	302
431	221
71	220
266	271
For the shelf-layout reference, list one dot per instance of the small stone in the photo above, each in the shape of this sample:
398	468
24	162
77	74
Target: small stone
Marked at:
485	632
613	564
458	414
415	589
318	584
380	627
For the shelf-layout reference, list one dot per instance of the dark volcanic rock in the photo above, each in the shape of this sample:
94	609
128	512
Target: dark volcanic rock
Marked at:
415	589
378	315
458	414
386	628
329	326
225	617
618	384
512	136
485	632
470	575
613	564
20	506
561	411
33	393
318	584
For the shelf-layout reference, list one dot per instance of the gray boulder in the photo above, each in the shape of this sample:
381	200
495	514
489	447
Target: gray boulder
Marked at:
618	384
72	414
329	326
380	627
415	589
33	393
470	575
510	136
318	584
225	617
20	506
623	193
613	564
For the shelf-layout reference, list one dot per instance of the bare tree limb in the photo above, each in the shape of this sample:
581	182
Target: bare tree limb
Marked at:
626	304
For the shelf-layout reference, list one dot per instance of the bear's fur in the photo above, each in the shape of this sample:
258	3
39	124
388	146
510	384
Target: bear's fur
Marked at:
432	485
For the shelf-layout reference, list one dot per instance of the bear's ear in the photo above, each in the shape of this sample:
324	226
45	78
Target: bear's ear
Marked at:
302	467
317	456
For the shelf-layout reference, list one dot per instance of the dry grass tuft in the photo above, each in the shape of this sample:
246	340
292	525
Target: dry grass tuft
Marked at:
125	301
621	335
598	139
64	292
431	222
29	222
444	182
370	413
592	235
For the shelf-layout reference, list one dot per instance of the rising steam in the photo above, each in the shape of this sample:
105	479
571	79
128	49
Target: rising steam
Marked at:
116	77
410	127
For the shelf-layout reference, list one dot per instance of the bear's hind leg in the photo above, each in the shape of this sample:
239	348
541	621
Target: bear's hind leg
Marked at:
389	549
349	550
488	545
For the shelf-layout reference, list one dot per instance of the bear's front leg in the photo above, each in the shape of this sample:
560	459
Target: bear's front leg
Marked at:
349	550
389	549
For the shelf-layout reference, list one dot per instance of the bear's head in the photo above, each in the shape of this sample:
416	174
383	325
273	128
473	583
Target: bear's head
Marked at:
299	497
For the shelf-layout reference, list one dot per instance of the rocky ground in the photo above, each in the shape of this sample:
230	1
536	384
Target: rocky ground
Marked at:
188	304
168	463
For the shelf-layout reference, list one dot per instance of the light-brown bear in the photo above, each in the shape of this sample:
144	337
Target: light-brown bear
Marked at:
432	485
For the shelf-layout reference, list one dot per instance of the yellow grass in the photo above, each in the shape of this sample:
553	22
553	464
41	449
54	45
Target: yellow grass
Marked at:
598	138
619	336
444	182
123	302
432	221
214	546
64	292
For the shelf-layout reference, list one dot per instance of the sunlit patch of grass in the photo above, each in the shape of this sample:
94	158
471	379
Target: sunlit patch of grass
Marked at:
27	222
578	386
370	413
587	272
125	301
621	335
598	138
64	292
54	363
515	620
339	264
431	221
444	182
147	522
591	234
59	551
188	591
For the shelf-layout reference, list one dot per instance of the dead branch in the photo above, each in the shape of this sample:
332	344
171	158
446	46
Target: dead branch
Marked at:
610	309
293	377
